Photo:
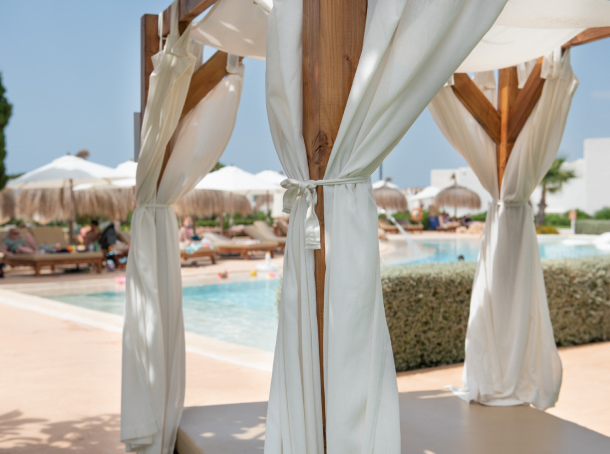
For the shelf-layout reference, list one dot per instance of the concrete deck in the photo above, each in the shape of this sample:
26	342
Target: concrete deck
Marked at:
60	392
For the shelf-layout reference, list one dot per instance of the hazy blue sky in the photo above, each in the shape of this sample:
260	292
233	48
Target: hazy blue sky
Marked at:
72	70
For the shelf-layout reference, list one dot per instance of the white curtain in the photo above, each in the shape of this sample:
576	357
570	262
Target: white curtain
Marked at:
411	48
511	357
153	335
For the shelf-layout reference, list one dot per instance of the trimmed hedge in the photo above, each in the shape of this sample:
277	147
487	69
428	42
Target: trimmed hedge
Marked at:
427	307
592	226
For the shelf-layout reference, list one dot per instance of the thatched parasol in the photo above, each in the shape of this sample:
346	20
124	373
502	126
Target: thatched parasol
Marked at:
208	203
458	197
46	205
7	205
390	198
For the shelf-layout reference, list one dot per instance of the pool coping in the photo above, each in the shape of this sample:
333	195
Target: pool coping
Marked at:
195	343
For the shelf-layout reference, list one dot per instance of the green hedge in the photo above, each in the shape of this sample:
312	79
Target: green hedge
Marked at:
427	307
592	227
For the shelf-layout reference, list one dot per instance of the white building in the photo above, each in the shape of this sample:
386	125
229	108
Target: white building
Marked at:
589	191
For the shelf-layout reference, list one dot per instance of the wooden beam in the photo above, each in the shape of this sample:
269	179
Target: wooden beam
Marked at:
521	108
508	91
478	105
333	33
588	36
188	10
204	79
149	46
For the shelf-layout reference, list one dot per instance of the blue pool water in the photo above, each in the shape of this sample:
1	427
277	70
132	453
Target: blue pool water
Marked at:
243	313
445	251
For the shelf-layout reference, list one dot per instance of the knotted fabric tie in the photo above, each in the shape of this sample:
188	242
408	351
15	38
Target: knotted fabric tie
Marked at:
307	189
502	203
153	205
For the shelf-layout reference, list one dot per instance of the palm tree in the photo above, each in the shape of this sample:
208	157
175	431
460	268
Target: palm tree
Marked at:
552	182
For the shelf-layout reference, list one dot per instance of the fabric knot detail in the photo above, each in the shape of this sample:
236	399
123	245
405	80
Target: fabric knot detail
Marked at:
307	189
153	205
502	203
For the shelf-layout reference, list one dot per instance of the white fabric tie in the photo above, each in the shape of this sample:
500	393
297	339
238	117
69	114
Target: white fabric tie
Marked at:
502	203
153	205
296	188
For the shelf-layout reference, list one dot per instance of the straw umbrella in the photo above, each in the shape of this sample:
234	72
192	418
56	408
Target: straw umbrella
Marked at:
458	197
62	174
207	203
388	197
236	181
7	205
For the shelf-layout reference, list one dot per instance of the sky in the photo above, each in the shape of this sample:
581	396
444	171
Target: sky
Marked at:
73	77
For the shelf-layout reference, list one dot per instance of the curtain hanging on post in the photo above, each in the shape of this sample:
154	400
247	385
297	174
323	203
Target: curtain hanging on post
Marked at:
411	48
511	357
153	335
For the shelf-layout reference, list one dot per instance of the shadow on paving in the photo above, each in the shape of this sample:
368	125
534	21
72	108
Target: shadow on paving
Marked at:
96	434
432	422
227	429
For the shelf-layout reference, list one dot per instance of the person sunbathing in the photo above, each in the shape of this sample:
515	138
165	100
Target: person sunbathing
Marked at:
13	243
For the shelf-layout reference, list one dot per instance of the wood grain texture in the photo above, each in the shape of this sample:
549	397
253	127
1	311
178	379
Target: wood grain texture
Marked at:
188	10
478	105
588	36
508	92
333	33
522	107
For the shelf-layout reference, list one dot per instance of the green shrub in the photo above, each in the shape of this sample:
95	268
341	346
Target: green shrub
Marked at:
592	226
479	216
603	214
427	307
557	220
546	230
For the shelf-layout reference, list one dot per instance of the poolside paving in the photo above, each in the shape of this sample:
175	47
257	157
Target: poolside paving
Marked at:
60	392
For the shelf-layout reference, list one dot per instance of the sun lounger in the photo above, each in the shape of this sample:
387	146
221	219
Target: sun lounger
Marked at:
244	247
282	226
409	226
199	253
37	261
386	225
261	231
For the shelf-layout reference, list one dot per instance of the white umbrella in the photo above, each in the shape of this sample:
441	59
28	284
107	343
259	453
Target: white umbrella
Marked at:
385	183
128	168
63	171
238	181
66	171
429	192
271	176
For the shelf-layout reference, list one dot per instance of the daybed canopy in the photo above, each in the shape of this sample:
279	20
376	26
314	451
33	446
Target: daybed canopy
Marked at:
328	150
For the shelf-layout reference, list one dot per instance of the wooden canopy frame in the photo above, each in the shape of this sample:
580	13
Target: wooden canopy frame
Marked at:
333	34
515	105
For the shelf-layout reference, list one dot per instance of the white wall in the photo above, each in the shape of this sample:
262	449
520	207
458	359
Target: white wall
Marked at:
572	196
589	191
597	169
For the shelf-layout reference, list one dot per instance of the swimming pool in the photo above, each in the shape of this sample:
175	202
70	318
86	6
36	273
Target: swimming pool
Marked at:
243	312
445	251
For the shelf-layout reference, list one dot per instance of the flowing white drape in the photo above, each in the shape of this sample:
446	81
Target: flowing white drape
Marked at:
153	335
411	47
511	357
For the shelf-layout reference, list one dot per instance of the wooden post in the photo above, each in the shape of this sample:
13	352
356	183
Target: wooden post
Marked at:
507	94
333	33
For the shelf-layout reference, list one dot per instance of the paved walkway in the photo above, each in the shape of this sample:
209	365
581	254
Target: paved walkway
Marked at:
60	392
